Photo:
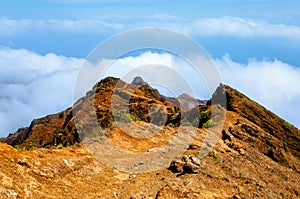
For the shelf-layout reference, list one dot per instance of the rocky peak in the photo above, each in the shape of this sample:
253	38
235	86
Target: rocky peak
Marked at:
138	81
142	101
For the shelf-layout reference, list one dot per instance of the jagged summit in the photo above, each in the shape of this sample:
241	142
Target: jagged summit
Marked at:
138	81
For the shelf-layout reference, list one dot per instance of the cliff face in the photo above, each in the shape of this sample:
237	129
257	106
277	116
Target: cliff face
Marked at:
256	154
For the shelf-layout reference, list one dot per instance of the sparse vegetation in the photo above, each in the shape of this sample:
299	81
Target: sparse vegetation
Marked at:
134	118
122	115
59	135
61	115
162	99
265	129
283	142
212	154
204	115
242	114
208	124
98	132
171	125
173	118
29	148
286	125
205	121
186	123
241	174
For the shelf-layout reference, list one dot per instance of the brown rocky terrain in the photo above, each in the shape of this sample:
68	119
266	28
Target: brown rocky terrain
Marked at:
256	153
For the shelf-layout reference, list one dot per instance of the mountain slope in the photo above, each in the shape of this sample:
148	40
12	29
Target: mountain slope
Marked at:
256	154
233	169
279	134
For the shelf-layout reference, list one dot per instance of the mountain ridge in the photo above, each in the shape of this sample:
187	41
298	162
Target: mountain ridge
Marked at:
236	102
255	155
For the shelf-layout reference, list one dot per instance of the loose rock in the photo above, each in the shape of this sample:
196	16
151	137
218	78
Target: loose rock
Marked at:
187	164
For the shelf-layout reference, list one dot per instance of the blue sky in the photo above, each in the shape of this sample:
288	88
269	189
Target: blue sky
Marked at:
46	40
254	43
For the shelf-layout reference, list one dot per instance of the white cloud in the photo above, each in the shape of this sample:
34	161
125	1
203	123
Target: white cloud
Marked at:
171	73
242	27
11	27
32	85
232	26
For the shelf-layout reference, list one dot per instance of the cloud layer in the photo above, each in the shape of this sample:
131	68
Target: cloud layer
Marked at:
232	26
33	85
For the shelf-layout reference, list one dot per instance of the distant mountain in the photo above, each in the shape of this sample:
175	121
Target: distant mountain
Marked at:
138	81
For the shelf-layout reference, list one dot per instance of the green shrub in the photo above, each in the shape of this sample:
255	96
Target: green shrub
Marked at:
134	118
243	115
204	115
286	125
208	124
171	125
162	99
266	129
173	118
59	135
123	116
97	133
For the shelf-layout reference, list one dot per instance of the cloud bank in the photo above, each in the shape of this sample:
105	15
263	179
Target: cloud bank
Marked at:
231	26
33	85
